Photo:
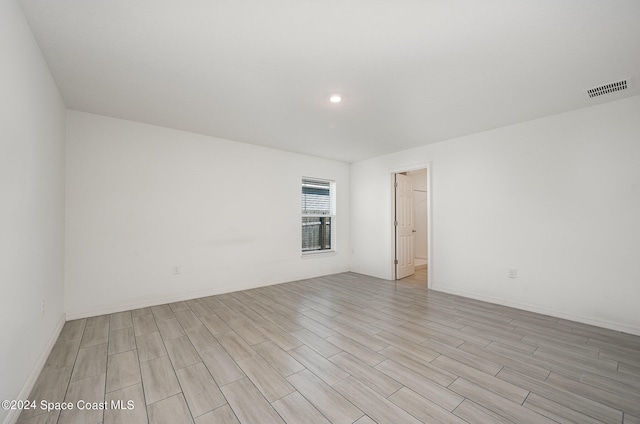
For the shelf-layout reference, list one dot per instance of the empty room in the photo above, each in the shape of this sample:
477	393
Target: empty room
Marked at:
320	212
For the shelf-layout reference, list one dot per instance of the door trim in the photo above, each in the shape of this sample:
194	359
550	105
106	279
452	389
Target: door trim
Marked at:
392	251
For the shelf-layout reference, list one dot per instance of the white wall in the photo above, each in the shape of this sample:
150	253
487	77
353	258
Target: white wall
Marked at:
142	198
32	129
558	198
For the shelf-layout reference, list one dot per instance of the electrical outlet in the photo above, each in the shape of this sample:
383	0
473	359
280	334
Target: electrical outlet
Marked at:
42	307
512	272
176	269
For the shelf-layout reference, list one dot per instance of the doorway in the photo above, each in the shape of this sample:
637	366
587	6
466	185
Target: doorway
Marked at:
411	225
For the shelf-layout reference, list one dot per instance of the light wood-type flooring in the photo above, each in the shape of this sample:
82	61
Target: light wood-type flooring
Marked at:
418	278
344	349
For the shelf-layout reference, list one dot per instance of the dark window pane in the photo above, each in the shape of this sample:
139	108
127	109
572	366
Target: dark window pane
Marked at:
316	233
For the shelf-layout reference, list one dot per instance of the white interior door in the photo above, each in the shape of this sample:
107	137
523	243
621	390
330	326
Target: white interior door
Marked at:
404	223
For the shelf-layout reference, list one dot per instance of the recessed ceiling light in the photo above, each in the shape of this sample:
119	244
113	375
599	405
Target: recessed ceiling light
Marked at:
335	98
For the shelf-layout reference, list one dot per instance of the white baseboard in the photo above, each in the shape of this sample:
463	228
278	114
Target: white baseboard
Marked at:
71	315
611	325
371	274
13	415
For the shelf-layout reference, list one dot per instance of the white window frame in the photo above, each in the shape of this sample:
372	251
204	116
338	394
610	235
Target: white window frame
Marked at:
331	214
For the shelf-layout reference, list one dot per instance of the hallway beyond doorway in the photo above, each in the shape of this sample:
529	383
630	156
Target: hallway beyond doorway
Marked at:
419	278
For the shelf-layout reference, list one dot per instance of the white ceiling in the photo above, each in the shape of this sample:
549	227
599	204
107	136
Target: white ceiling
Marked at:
411	72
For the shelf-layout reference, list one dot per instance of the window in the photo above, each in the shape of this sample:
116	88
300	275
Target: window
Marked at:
318	215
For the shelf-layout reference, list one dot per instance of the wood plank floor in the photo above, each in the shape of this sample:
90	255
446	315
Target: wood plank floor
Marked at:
345	349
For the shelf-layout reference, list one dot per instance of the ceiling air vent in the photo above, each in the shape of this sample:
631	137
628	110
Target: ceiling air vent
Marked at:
608	88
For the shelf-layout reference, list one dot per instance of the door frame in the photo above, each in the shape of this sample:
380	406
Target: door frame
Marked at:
392	251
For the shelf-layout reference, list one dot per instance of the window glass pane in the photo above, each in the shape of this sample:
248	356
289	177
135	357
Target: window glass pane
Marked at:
316	197
318	215
316	233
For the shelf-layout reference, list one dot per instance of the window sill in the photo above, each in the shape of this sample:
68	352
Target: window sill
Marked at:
318	254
